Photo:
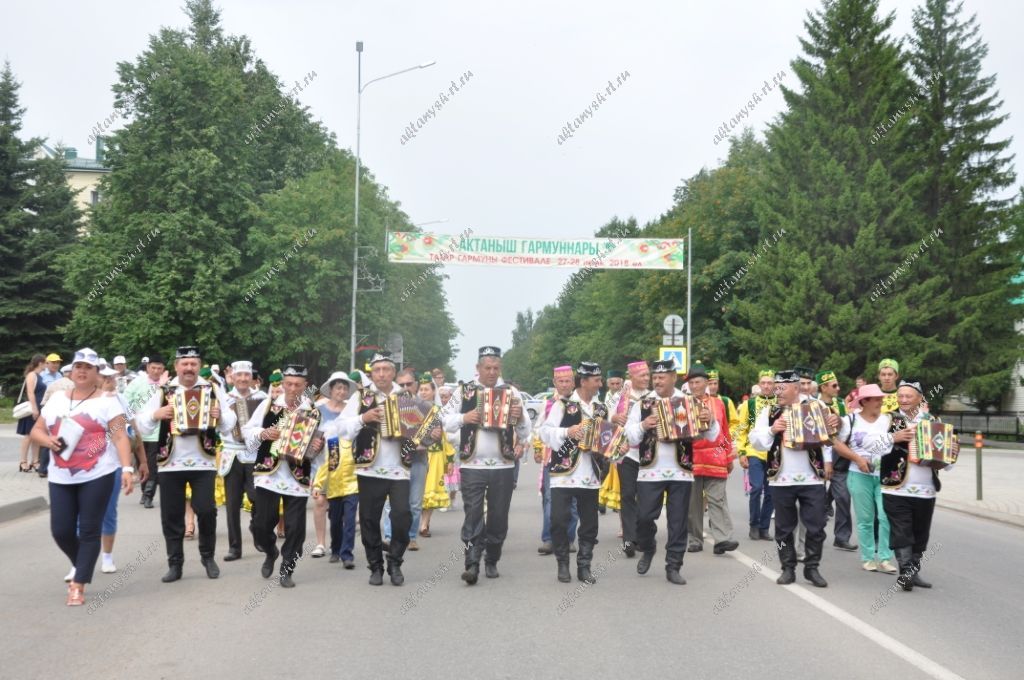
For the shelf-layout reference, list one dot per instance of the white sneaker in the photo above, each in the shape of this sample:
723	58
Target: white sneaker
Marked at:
888	567
870	565
108	567
318	551
71	576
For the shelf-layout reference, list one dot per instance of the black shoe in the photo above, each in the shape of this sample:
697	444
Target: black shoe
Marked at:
377	577
142	500
334	559
286	581
754	534
673	576
696	547
546	549
629	549
812	575
173	574
491	570
765	535
268	566
471	574
917	580
148	504
787	576
844	545
725	546
644	562
583	574
563	572
212	570
602	509
397	578
232	556
348	564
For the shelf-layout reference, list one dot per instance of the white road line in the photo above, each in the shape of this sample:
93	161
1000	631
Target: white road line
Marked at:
916	659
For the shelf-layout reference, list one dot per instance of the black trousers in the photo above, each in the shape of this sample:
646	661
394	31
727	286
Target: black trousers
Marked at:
76	519
149	488
267	512
172	511
840	493
479	533
561	515
804	504
628	471
677	512
373	491
237	481
910	521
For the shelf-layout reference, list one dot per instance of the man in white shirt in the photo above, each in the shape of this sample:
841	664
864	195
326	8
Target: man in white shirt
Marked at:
665	467
236	458
186	458
629	466
487	464
797	479
382	470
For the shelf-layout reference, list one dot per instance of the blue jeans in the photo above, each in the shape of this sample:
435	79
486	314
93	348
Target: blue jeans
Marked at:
341	512
417	485
110	516
760	510
545	533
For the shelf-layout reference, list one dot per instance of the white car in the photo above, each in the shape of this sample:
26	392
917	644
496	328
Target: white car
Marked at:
535	405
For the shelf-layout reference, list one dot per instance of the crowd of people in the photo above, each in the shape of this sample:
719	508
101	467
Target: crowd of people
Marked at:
380	451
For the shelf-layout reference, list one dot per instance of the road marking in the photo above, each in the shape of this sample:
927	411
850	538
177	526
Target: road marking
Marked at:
916	659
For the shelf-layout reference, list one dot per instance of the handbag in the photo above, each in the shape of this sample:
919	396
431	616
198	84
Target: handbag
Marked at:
24	408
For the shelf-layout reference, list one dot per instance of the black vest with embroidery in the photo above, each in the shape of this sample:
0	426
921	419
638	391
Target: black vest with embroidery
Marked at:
468	433
266	462
208	438
565	460
648	448
366	445
814	453
895	465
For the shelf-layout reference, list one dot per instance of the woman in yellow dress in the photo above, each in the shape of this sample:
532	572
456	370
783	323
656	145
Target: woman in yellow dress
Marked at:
440	457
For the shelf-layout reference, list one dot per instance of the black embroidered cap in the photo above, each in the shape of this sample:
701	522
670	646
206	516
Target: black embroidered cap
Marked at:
786	377
297	370
381	355
490	351
588	369
188	352
663	366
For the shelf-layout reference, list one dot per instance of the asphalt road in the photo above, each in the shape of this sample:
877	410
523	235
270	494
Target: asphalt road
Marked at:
524	624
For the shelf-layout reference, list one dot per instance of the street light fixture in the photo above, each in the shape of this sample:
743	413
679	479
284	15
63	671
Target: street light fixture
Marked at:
355	231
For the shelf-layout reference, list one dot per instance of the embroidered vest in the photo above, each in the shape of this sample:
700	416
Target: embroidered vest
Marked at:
468	433
266	462
208	438
894	468
649	444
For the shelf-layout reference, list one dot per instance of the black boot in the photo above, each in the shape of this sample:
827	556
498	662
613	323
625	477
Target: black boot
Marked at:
376	574
812	558
268	563
583	560
173	573
629	548
673	563
491	570
493	554
917	580
286	580
644	563
472	573
905	558
562	558
212	570
395	570
787	558
816	579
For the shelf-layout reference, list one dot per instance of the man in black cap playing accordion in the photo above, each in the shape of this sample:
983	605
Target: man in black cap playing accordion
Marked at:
383	459
188	411
666	466
287	434
488	418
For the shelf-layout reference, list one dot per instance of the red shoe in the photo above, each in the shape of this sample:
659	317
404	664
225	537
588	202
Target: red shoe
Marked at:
76	594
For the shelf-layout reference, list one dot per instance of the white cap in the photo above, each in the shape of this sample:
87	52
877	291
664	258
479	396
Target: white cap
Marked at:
215	368
242	367
65	369
145	360
106	372
103	363
119	359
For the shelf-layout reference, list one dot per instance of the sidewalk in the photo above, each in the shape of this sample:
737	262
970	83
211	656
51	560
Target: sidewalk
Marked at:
20	493
1002	485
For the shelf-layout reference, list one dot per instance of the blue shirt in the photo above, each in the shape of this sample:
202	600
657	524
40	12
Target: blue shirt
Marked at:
48	377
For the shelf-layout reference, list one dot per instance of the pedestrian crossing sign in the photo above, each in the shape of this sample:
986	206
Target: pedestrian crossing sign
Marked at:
678	355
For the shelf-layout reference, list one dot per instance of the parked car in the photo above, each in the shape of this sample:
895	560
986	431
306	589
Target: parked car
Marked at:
535	405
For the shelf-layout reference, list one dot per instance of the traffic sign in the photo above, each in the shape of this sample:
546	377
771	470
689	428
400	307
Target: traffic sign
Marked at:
678	355
673	340
673	324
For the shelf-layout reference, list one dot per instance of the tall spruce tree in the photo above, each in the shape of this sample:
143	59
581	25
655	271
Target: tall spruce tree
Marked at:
38	221
979	250
843	194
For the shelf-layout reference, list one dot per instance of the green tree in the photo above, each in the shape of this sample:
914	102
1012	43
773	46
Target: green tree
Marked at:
979	251
38	222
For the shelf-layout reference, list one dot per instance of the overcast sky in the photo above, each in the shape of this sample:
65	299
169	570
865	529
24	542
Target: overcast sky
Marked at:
490	159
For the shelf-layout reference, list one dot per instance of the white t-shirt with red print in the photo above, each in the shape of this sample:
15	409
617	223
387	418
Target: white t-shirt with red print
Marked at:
95	454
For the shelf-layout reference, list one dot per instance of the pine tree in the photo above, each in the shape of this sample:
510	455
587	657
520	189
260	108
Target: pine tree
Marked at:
840	188
978	250
38	222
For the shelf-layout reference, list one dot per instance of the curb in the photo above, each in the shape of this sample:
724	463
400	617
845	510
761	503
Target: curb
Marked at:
1001	517
23	508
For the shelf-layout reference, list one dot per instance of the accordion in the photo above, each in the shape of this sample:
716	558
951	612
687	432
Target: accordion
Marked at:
192	410
932	444
297	431
408	417
494	405
597	431
678	418
244	409
806	425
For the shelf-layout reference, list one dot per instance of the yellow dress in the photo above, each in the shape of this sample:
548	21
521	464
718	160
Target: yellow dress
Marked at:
610	495
435	494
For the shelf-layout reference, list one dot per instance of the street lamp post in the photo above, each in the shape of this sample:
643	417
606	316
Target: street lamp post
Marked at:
355	228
